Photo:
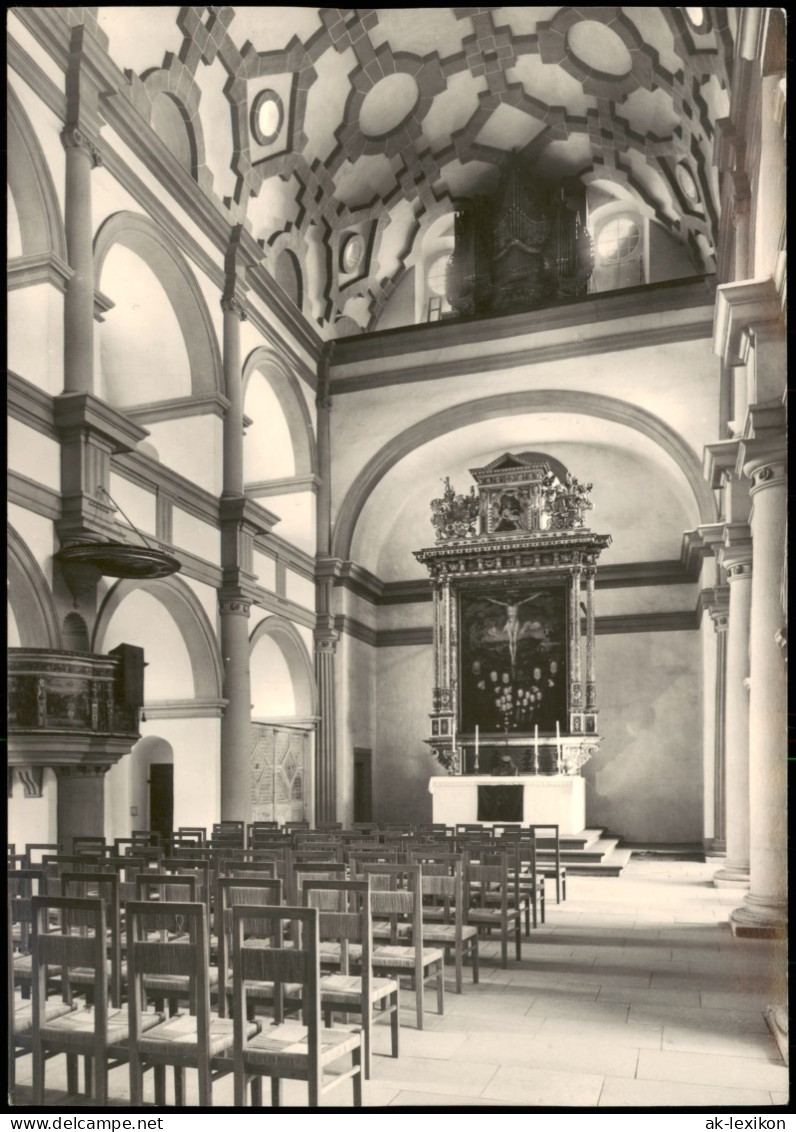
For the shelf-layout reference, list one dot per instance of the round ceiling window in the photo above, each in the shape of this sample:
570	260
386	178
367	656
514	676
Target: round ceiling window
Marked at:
697	18
267	116
618	239
351	254
687	183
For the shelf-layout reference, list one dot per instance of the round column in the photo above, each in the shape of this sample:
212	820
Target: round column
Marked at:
236	723
764	911
81	158
735	871
233	420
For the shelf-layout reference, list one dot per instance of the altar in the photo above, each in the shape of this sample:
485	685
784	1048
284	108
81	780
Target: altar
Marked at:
546	799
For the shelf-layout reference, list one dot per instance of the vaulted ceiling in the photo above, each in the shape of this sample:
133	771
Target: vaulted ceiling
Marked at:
341	136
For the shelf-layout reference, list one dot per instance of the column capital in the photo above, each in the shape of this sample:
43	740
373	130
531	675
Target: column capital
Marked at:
735	553
82	770
764	462
740	307
325	640
233	304
233	607
74	136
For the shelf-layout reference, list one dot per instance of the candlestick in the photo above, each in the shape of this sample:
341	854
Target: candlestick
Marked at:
475	761
558	748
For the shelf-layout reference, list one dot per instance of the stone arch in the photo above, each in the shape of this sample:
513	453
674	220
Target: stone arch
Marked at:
183	606
292	402
32	187
299	663
30	597
145	239
511	404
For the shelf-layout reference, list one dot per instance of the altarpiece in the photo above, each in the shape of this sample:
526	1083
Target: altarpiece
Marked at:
513	575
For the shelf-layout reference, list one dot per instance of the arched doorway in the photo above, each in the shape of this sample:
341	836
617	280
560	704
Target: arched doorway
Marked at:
283	723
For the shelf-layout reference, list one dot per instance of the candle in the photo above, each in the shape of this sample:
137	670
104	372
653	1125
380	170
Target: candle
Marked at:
536	738
476	740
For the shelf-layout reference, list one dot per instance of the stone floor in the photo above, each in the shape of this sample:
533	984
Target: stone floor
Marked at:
634	994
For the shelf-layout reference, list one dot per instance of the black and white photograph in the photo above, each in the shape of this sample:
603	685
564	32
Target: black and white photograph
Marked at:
397	563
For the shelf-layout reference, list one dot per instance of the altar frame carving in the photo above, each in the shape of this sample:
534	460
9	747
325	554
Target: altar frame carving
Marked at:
545	548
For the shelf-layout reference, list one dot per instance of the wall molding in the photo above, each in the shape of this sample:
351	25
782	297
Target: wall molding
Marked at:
33	496
31	270
387	349
198	405
29	404
286	486
186	709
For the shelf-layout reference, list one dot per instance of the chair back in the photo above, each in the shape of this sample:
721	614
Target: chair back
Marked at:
358	858
270	961
74	939
149	837
344	917
192	833
186	956
254	891
35	850
104	886
395	897
313	870
23	884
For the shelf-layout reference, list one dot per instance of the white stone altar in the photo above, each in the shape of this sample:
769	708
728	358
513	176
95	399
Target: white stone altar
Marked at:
556	799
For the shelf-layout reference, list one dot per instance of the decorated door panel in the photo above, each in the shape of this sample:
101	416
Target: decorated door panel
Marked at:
279	765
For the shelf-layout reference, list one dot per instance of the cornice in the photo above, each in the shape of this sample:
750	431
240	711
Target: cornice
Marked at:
197	405
719	458
185	709
298	560
741	307
240	509
388	348
32	270
27	403
286	486
78	411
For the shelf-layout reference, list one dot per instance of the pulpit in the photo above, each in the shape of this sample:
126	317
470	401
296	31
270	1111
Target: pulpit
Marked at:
513	573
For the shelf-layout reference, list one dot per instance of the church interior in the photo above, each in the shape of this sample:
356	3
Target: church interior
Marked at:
402	450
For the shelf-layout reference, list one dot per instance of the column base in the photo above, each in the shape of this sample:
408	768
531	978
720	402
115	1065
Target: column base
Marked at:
732	876
760	919
777	1021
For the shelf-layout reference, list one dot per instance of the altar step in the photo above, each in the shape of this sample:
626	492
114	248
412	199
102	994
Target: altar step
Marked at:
587	854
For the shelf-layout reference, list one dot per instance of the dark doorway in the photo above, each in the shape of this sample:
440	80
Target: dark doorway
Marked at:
161	798
363	785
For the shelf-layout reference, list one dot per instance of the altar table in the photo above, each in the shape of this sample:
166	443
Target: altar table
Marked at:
547	799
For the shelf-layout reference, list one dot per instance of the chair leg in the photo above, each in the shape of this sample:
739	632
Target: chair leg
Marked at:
367	1040
276	1092
159	1073
205	1085
88	1074
101	1079
257	1091
357	1078
518	939
419	988
504	947
38	1075
239	1080
441	988
72	1085
457	958
395	1023
474	957
179	1086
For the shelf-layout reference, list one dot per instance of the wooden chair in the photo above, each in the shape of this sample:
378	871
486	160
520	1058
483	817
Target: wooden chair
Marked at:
396	896
293	826
193	833
22	885
493	900
100	1031
328	826
105	886
35	850
312	870
19	1018
233	890
94	846
344	919
521	845
445	922
186	1040
555	870
297	1051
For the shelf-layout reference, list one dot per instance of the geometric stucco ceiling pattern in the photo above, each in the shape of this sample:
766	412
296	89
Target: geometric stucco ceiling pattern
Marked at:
375	120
